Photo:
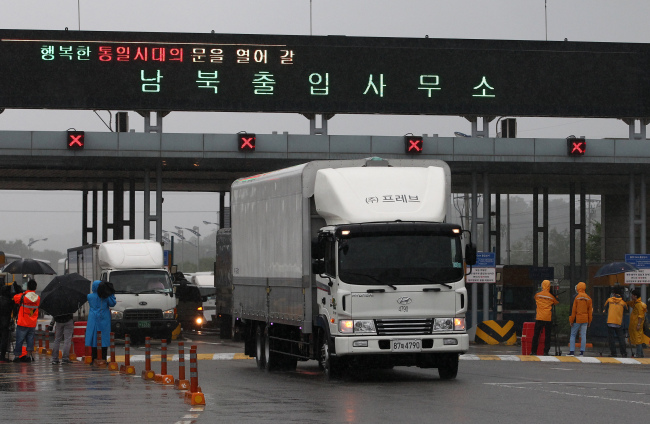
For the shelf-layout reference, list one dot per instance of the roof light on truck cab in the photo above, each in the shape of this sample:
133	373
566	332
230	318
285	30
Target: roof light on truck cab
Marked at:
345	232
455	230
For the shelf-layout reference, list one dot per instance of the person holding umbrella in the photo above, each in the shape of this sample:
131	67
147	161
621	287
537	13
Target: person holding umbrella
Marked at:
61	298
26	320
99	318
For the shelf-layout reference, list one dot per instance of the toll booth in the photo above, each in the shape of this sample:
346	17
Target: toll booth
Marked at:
516	291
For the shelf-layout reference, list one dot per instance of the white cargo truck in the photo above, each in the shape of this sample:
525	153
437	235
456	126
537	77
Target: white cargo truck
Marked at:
143	287
350	263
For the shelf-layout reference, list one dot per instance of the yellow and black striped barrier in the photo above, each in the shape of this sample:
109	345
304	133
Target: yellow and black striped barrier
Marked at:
496	332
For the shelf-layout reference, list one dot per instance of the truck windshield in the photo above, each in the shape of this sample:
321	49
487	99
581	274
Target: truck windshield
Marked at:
400	259
140	281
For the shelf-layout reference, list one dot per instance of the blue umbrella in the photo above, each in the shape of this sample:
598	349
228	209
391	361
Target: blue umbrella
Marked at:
615	268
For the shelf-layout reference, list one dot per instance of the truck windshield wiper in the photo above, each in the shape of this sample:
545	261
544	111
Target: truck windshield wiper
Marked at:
360	274
152	291
436	289
125	292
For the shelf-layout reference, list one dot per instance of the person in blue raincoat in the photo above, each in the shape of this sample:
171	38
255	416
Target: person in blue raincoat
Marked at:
99	319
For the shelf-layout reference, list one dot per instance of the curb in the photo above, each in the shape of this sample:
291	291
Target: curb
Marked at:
565	359
200	357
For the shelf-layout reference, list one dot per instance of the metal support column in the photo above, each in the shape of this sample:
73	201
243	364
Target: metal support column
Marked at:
474	229
118	209
496	232
487	207
105	224
485	132
158	114
543	229
314	129
640	221
84	218
573	227
131	221
148	217
222	210
633	135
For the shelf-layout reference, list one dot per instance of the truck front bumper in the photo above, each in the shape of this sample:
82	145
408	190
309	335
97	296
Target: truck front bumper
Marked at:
154	328
378	345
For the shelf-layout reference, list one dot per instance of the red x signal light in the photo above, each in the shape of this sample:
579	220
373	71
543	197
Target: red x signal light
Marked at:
246	142
76	140
413	145
576	146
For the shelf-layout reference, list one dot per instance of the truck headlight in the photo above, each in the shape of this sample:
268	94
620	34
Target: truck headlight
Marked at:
443	324
448	324
357	326
117	315
168	314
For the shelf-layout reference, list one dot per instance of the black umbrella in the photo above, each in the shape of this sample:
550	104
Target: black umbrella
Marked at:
615	268
28	266
65	294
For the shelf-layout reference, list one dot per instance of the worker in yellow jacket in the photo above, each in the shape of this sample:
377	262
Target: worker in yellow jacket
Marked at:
580	319
545	301
637	316
615	307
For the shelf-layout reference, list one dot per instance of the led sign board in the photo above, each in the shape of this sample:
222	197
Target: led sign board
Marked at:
246	142
413	144
576	146
75	140
322	74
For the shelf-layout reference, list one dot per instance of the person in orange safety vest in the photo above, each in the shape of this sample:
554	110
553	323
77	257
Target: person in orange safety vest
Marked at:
26	320
545	301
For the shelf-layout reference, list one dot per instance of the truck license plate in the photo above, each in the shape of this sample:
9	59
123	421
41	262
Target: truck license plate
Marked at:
144	324
406	345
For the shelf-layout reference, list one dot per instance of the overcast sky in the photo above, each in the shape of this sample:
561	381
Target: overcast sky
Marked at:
57	216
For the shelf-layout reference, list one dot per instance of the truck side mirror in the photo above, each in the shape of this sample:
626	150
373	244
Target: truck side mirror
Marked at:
317	248
318	267
470	254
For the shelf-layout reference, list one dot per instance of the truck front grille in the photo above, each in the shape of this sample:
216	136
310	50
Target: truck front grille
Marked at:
395	327
142	314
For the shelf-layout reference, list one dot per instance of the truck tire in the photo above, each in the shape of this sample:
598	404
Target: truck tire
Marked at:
273	359
259	348
330	366
448	367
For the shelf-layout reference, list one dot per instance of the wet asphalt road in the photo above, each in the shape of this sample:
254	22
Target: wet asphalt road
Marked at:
488	390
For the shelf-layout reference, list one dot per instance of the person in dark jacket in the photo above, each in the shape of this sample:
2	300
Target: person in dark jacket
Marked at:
6	311
63	332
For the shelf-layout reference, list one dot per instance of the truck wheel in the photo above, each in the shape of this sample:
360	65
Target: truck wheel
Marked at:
259	348
329	365
448	368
